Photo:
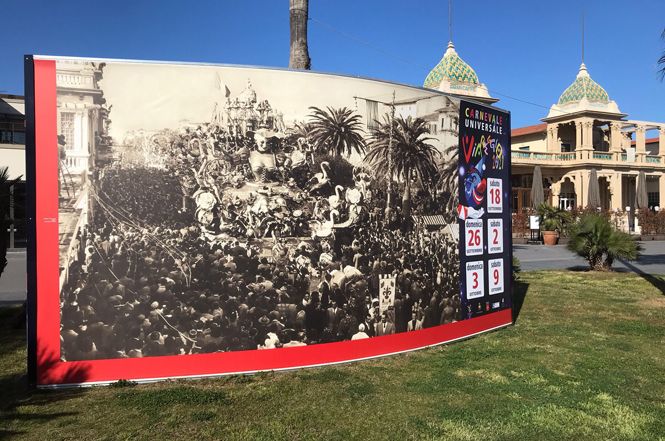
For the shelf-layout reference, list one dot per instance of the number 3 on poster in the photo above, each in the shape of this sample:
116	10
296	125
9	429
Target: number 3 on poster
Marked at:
475	280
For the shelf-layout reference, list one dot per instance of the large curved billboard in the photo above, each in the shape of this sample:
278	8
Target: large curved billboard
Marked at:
195	220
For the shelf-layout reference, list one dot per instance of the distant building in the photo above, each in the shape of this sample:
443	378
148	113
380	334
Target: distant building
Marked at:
453	76
12	155
585	130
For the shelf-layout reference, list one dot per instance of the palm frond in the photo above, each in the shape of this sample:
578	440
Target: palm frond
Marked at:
336	131
661	60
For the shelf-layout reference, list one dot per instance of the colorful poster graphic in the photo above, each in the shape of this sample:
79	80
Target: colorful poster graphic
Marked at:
484	208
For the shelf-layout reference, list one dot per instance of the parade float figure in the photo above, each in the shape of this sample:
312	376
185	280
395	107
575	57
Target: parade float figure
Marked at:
353	199
320	182
262	159
362	181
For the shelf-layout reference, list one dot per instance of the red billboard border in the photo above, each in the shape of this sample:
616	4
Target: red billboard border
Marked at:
48	370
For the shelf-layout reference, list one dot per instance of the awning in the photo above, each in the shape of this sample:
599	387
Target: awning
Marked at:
428	221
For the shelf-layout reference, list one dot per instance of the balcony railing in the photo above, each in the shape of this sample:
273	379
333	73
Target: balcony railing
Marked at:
602	156
544	156
571	156
76	162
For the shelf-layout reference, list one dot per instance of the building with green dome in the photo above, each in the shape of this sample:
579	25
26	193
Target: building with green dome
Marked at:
453	75
585	131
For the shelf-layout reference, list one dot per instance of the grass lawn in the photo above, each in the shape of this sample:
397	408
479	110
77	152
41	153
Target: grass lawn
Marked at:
585	361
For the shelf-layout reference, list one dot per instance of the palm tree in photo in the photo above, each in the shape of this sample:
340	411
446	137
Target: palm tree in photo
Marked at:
448	178
336	131
411	159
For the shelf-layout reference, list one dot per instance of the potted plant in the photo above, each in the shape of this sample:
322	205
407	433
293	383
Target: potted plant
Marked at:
552	222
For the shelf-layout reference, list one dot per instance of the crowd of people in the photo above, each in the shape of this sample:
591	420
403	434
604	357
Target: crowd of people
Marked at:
275	268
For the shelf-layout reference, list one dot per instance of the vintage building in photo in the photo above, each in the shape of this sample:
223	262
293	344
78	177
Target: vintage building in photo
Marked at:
585	131
80	114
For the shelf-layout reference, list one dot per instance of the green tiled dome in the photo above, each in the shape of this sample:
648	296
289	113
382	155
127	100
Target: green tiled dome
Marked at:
584	87
452	68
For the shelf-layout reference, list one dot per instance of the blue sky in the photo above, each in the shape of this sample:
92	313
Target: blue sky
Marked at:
528	50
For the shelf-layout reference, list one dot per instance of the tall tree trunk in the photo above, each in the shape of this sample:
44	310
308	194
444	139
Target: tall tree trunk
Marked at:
298	15
406	202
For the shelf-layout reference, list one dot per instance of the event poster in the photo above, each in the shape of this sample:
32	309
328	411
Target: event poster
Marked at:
226	212
484	214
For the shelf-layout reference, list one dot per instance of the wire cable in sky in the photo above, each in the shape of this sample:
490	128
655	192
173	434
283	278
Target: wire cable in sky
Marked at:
411	63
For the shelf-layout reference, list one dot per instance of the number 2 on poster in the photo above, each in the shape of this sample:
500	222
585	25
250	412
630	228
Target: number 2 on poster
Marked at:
495	236
495	200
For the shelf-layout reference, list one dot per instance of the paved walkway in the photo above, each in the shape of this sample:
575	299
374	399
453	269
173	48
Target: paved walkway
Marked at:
537	257
13	279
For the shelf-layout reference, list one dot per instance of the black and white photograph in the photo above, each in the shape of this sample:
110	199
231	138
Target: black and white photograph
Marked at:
207	208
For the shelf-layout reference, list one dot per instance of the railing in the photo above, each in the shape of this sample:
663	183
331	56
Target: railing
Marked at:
544	156
602	156
76	162
571	156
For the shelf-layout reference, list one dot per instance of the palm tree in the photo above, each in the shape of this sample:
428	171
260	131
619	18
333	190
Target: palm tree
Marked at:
336	131
595	239
5	221
412	157
448	178
299	53
661	60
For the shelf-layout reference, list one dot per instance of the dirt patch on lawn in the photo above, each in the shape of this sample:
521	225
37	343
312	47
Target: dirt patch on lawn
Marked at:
653	302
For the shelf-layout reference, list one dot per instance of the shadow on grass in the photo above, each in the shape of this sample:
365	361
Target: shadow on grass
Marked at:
15	391
578	268
657	282
520	289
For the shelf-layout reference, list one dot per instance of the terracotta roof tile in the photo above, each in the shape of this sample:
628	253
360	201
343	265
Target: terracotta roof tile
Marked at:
529	130
648	141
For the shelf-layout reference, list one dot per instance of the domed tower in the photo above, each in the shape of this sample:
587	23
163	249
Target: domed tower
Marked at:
453	75
583	95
